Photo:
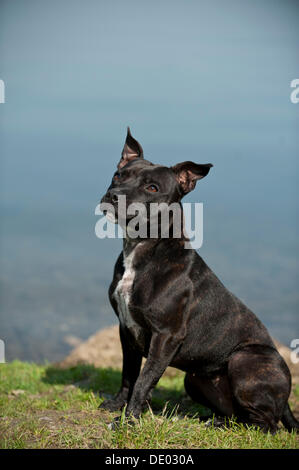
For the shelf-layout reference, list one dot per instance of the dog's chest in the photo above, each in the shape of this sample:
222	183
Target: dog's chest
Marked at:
123	293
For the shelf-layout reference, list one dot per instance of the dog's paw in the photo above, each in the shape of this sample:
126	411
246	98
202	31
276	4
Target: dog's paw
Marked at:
119	421
216	423
114	424
112	405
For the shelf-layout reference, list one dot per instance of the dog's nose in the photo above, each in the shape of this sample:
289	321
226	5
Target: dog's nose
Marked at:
110	196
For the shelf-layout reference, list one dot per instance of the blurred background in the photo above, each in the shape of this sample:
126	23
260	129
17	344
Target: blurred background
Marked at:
201	80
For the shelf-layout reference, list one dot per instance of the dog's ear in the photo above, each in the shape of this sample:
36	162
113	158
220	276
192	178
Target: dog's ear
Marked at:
187	173
132	149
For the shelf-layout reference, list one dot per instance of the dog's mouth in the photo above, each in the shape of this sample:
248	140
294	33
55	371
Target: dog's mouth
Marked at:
111	213
121	219
110	216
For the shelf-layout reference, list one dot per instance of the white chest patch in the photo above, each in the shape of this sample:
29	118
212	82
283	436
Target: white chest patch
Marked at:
122	294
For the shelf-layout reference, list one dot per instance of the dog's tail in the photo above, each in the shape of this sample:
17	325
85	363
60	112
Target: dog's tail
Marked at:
289	420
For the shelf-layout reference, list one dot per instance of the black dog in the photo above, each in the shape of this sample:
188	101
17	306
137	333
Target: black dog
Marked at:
174	311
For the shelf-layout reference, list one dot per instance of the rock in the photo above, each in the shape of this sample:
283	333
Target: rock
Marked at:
72	340
102	349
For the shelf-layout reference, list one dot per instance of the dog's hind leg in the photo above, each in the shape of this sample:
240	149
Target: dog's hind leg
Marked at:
212	392
260	382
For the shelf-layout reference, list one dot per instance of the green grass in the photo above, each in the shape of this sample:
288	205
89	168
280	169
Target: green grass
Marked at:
46	407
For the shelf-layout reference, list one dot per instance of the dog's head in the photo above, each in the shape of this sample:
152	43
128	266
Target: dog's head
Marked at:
141	181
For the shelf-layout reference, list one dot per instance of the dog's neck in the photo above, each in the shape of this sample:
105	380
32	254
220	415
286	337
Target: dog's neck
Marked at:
130	243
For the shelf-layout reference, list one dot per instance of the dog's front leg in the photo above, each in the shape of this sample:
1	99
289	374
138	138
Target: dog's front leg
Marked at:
163	347
131	368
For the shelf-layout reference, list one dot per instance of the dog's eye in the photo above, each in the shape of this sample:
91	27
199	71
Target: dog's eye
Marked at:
116	176
152	188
